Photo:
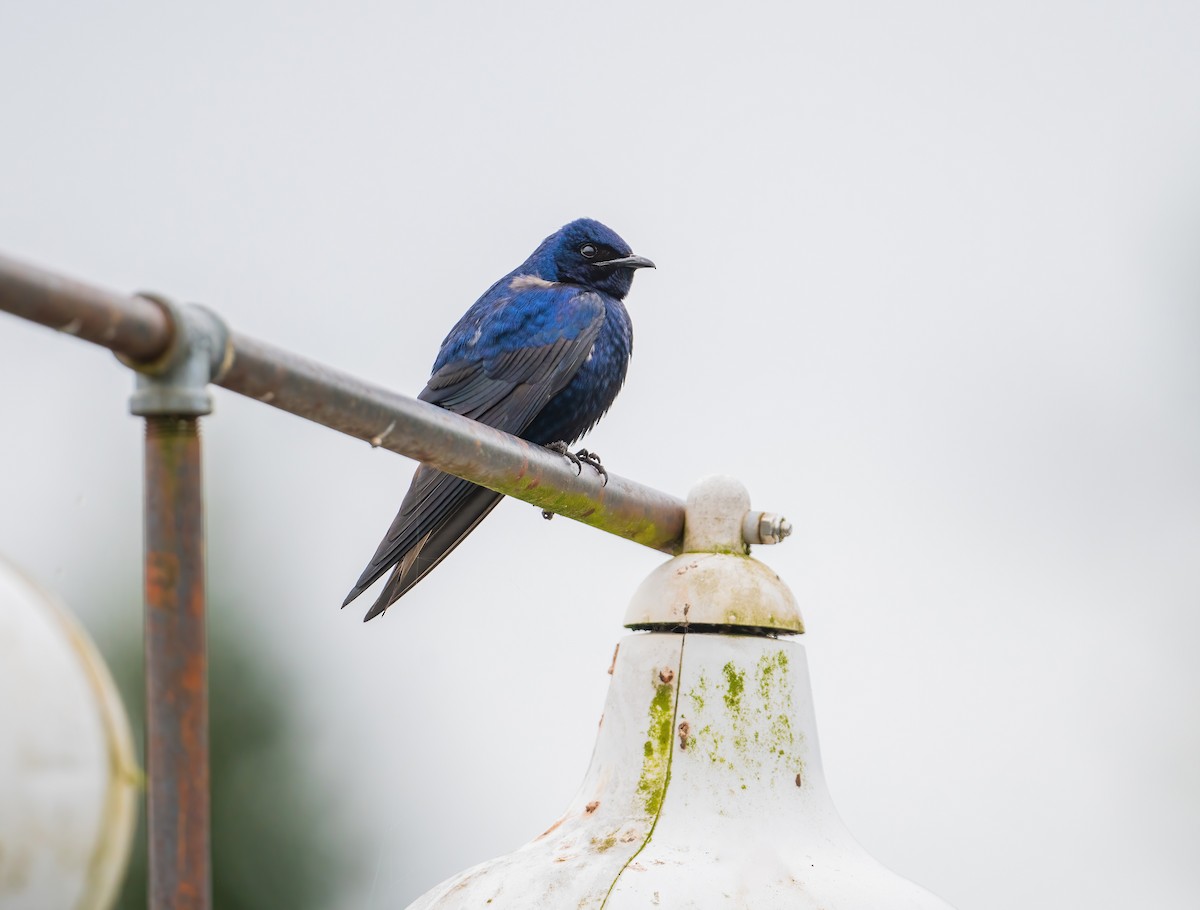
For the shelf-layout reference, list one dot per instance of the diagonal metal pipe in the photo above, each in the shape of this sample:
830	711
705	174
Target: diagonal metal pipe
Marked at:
453	444
131	326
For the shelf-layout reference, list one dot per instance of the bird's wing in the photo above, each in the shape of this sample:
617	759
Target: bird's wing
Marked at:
439	511
505	385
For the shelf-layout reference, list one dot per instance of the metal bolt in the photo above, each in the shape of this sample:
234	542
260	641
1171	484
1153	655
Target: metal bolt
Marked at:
773	528
765	527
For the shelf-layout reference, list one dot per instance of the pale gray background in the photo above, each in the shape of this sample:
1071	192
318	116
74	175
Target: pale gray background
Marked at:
928	281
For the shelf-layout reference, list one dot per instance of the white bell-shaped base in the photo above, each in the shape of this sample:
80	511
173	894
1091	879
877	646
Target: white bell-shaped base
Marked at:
705	791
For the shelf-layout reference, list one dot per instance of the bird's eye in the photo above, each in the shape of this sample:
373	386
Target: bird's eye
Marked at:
587	251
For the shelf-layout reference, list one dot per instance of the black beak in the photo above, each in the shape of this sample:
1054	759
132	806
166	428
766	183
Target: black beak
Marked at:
627	262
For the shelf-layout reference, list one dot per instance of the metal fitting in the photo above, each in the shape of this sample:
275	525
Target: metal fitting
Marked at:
177	383
765	527
719	519
715	585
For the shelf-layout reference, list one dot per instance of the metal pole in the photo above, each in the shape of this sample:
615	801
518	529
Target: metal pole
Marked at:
177	803
132	326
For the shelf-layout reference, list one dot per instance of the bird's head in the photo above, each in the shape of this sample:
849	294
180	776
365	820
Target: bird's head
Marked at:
587	253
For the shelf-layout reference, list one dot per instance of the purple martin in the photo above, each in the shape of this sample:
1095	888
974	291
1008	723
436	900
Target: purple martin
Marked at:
542	354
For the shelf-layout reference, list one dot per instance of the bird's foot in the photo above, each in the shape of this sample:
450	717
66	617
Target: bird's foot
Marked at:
579	459
593	459
560	448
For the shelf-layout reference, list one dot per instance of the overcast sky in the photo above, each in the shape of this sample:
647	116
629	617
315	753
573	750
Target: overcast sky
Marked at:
928	283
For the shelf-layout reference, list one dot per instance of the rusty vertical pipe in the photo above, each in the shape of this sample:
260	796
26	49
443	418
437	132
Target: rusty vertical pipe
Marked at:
177	805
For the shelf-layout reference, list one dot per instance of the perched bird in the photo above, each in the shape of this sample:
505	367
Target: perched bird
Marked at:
542	354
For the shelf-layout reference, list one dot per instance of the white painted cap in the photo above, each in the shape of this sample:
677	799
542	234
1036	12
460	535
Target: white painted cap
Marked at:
715	582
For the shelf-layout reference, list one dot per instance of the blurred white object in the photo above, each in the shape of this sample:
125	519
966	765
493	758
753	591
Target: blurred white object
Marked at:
705	788
68	777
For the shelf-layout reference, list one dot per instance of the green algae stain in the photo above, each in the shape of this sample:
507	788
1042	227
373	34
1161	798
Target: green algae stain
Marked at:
583	507
699	693
774	688
710	740
657	751
781	733
772	672
735	684
604	844
757	732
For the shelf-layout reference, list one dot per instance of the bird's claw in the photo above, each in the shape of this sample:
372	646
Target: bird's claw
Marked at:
579	459
560	448
593	459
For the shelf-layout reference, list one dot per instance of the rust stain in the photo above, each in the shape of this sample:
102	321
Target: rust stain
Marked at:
666	675
592	806
613	665
684	730
162	571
